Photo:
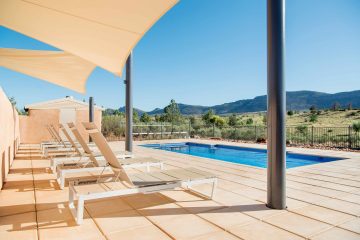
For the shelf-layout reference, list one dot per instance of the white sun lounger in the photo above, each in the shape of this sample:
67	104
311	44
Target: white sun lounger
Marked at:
63	148
125	184
92	162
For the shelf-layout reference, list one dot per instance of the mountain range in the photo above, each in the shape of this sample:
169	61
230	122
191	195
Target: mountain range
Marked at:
295	100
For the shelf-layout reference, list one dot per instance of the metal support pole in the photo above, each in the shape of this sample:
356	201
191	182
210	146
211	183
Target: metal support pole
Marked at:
128	108
91	112
276	194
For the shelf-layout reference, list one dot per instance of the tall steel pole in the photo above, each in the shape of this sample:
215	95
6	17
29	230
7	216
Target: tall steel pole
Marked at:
91	112
128	108
276	194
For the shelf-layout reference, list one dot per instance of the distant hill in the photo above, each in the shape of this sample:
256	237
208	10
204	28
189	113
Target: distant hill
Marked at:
296	100
139	111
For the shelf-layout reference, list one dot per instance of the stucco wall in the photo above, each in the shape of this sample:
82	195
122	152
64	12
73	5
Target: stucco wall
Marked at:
33	127
9	135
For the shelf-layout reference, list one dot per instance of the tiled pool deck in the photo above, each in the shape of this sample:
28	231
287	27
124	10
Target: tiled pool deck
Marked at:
323	203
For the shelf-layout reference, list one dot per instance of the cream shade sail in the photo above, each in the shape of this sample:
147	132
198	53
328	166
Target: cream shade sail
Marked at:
57	67
101	31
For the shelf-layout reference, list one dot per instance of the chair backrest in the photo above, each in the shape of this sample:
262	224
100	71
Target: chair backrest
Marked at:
52	134
69	138
57	135
106	151
82	142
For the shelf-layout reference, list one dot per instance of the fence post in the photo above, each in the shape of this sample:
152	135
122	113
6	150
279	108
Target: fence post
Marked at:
161	130
189	128
312	135
255	133
213	129
349	139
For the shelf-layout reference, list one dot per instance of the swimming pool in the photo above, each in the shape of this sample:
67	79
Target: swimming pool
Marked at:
241	155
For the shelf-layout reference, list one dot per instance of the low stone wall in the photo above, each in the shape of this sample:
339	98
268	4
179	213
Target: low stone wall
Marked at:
9	135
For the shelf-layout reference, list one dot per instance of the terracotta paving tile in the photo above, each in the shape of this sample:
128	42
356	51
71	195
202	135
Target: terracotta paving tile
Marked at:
140	201
106	206
339	205
262	231
49	195
19	178
257	210
324	214
227	217
200	205
18	226
217	236
143	233
336	234
163	213
17	200
120	221
353	225
297	224
59	224
238	206
187	226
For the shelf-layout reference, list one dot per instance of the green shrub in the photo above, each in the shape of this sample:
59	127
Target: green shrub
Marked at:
301	129
356	127
313	118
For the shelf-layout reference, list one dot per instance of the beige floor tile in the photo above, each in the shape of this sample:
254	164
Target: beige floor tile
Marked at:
120	221
180	195
19	226
19	178
229	198
217	236
295	204
163	213
143	233
324	214
106	206
227	217
353	225
257	210
140	201
297	224
336	234
49	195
43	163
21	164
262	231
17	200
200	206
186	226
339	205
59	224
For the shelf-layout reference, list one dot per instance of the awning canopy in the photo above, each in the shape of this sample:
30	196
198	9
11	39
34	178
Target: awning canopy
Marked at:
57	67
101	31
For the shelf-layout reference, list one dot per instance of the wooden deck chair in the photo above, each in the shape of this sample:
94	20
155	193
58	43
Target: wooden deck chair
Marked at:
126	184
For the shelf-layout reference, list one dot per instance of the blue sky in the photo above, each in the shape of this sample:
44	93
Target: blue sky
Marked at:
208	52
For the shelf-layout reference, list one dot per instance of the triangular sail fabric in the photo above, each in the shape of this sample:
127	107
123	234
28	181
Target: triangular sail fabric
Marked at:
57	67
101	31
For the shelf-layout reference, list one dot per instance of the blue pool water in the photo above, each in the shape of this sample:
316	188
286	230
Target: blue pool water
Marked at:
234	154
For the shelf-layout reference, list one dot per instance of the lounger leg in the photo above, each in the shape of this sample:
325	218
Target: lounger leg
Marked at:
162	166
80	211
213	188
71	198
62	180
